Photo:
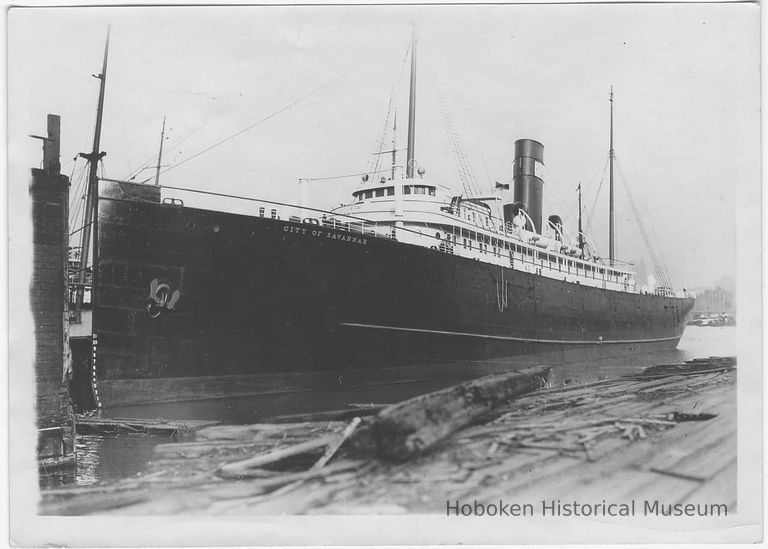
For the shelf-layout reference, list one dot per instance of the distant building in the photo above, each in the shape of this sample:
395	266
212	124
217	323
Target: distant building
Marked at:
714	301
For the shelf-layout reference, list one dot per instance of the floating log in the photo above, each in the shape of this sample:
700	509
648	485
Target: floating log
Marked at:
171	427
411	427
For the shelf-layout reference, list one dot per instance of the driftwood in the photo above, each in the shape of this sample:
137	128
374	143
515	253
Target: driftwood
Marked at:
696	366
330	442
333	448
411	427
239	469
542	442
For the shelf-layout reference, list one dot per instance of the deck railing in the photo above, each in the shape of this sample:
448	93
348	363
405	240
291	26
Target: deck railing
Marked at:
425	237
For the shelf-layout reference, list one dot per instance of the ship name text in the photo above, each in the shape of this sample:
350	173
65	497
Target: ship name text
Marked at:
323	233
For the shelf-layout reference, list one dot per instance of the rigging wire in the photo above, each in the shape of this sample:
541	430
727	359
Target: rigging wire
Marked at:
482	158
657	261
590	215
375	158
73	201
197	128
344	176
463	165
251	126
373	162
77	206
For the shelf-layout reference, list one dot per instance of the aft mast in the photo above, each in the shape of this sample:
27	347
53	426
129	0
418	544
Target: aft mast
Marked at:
411	112
394	144
93	159
611	235
581	234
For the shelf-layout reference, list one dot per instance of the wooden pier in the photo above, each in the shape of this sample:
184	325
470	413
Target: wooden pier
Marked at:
667	433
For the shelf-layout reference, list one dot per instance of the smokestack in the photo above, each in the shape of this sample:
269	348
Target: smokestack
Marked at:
528	186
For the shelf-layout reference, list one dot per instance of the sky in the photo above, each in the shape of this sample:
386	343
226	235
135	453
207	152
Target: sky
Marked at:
313	84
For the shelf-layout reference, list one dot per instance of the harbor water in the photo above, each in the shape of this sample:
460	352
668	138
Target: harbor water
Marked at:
109	457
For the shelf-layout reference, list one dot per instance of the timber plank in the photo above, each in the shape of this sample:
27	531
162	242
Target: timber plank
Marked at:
688	440
707	461
720	488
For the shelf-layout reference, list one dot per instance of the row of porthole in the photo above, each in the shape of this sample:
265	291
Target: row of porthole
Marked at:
217	228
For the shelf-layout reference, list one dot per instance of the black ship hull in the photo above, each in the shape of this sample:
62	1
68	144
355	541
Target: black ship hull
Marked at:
193	304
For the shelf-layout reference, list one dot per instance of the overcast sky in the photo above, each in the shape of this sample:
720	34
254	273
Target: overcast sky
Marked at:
686	79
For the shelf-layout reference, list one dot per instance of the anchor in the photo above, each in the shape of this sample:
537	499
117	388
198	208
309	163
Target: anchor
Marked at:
161	298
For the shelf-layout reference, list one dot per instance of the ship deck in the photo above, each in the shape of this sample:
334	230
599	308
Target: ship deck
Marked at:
669	437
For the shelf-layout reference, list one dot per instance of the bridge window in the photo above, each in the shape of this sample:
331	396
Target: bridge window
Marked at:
379	192
390	191
368	194
406	189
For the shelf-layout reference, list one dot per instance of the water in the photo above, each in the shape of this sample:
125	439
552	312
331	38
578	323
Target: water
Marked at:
111	457
105	457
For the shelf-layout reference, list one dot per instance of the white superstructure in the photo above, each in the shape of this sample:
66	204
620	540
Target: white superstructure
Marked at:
423	213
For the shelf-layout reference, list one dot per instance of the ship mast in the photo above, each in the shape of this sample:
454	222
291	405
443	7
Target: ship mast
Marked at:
394	145
93	159
581	236
411	111
160	155
611	236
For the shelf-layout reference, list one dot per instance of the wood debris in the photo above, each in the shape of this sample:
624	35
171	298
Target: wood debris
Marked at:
555	441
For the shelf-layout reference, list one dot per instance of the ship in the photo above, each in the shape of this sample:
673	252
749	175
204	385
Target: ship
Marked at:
409	280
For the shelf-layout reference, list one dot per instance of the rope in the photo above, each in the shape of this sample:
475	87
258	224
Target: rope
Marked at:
344	176
81	228
200	126
250	127
76	204
502	295
657	261
594	204
463	165
373	163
